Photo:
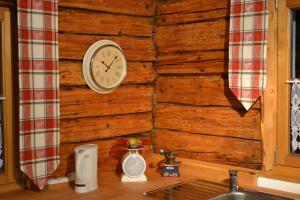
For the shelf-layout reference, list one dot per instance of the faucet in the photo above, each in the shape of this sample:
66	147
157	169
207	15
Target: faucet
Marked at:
233	180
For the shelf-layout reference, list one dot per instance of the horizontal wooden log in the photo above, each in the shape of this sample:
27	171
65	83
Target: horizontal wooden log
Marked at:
205	91
74	46
131	7
203	36
194	56
181	18
231	151
217	121
87	22
8	3
110	153
185	6
138	72
83	102
96	128
205	67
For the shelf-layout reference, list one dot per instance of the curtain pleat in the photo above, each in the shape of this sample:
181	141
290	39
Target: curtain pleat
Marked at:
248	49
38	89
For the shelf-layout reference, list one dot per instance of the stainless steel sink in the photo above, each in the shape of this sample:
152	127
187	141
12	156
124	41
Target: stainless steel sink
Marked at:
248	195
204	190
195	190
243	194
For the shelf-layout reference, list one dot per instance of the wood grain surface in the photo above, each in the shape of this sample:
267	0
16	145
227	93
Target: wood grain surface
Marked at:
192	17
83	102
225	150
188	41
218	121
192	90
105	119
89	22
193	56
204	36
111	188
129	7
96	128
74	46
194	102
197	68
110	152
138	72
184	6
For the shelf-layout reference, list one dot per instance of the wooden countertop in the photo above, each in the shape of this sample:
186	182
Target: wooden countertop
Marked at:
110	186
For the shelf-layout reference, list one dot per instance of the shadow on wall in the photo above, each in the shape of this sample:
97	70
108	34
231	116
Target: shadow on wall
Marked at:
116	152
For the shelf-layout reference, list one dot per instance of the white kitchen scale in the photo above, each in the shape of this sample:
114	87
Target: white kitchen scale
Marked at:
134	166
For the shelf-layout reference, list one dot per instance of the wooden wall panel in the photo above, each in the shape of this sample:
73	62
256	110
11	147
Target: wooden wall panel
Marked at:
192	37
219	121
226	150
104	23
74	46
194	104
105	119
96	128
138	72
205	67
131	7
8	3
179	18
110	152
194	56
189	6
204	90
83	102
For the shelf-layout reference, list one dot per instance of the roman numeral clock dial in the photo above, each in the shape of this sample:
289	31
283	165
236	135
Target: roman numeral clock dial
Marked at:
104	66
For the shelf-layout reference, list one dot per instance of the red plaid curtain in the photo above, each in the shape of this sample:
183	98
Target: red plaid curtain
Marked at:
38	89
248	49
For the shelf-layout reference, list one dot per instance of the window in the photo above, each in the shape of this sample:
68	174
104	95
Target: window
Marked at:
288	55
6	111
295	74
295	43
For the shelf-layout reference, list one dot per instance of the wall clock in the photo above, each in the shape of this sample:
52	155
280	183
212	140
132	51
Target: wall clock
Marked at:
104	66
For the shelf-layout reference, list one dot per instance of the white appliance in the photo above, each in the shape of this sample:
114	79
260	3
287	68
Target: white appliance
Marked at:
134	166
86	158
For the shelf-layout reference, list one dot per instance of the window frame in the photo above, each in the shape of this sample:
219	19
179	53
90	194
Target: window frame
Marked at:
285	158
275	126
9	143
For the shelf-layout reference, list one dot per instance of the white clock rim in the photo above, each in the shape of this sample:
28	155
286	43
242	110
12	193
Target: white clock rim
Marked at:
86	66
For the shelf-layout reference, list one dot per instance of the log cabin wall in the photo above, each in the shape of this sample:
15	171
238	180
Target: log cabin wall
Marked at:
185	92
88	117
196	114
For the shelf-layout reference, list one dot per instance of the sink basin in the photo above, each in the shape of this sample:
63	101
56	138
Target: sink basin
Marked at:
248	195
204	190
195	190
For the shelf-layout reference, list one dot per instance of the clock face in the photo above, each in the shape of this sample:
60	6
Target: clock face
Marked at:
108	67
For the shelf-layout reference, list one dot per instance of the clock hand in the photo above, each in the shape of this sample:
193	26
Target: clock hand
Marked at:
111	63
104	64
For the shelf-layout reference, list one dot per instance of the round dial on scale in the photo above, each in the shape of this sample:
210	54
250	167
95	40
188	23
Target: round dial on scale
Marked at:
133	165
104	66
